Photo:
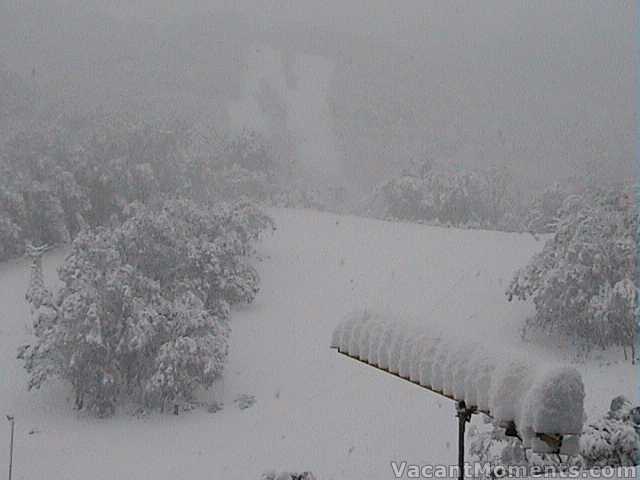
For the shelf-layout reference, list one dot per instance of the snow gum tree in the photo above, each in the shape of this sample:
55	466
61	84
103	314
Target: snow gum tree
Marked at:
583	284
542	214
143	313
448	194
39	196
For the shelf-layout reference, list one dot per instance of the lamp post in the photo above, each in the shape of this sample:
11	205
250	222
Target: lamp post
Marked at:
11	420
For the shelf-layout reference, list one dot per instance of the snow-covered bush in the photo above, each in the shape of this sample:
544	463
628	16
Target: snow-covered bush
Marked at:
611	441
489	444
287	476
614	439
448	195
583	282
143	313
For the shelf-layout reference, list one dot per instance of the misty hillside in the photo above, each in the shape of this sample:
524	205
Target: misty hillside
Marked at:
542	96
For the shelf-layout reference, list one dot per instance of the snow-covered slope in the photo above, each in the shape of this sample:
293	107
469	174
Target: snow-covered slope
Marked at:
314	410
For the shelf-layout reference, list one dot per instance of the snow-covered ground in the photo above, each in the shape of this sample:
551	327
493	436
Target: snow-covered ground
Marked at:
314	410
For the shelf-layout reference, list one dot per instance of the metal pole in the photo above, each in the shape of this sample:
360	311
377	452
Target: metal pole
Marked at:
461	430
464	416
12	420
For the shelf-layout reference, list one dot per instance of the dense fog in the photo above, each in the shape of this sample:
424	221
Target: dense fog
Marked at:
354	90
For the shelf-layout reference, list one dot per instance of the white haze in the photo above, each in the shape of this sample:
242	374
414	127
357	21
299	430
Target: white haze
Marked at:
547	87
303	91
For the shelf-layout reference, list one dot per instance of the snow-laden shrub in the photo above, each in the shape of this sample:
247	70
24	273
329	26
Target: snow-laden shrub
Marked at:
287	476
610	441
143	313
489	444
445	195
583	282
613	440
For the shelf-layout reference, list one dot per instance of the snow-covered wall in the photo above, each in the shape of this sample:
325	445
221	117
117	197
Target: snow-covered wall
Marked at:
538	399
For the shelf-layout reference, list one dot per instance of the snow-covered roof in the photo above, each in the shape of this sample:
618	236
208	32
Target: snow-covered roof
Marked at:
538	398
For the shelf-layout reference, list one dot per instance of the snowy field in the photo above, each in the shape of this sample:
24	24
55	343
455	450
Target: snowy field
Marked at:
314	410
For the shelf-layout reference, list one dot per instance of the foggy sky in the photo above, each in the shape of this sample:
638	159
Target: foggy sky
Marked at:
545	85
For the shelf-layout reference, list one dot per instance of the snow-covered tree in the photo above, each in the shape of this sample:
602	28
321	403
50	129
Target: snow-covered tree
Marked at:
144	309
448	194
122	160
402	198
40	199
37	294
583	283
503	200
201	247
543	213
249	167
251	151
62	177
11	237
